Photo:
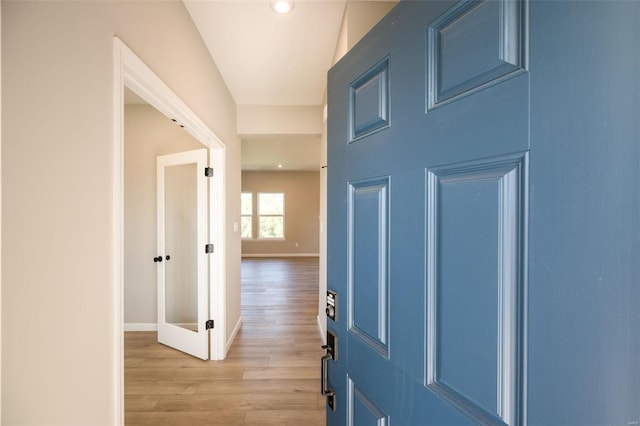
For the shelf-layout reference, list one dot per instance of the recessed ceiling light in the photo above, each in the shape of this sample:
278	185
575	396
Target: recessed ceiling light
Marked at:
279	166
282	6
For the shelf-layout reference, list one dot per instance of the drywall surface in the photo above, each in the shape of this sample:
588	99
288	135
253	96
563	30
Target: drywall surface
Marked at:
57	165
279	120
301	202
364	15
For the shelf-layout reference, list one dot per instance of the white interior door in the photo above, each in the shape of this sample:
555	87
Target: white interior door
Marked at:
181	259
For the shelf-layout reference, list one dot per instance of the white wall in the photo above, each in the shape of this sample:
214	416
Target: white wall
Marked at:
57	302
147	134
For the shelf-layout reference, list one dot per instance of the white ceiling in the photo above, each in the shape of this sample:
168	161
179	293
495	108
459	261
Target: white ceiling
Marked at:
266	58
292	152
273	60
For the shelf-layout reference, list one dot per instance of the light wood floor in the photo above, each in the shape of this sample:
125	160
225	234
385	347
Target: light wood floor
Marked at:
271	375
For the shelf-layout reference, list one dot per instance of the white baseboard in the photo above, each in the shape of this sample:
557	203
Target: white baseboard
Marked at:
280	254
235	331
140	326
322	329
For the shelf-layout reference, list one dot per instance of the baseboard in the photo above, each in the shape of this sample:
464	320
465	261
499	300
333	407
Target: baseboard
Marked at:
322	330
140	326
235	331
280	254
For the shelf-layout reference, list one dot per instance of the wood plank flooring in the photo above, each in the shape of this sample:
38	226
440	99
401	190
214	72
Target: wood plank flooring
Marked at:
271	375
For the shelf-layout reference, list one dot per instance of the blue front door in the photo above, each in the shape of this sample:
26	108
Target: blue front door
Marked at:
483	216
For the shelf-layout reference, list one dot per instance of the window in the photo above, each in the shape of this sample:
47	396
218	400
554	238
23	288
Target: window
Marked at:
271	215
246	210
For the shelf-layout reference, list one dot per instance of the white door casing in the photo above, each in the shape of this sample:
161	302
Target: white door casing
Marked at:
129	70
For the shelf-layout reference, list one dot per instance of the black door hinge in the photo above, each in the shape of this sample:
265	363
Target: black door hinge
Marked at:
209	325
208	171
208	248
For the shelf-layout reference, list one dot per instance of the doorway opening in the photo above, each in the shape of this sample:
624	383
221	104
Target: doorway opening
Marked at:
132	73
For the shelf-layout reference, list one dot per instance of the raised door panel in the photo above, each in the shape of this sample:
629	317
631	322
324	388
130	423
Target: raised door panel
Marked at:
369	101
473	45
476	286
368	263
362	411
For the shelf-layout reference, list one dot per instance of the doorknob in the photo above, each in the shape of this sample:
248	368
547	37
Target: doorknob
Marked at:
324	388
168	257
332	353
158	259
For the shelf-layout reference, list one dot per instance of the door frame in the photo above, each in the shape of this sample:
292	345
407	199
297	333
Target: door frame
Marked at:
130	71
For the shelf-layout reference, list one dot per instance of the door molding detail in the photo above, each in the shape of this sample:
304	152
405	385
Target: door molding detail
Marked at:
450	36
354	394
369	105
371	327
129	70
510	174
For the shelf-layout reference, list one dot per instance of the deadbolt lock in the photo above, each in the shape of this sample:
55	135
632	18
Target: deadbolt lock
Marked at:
332	305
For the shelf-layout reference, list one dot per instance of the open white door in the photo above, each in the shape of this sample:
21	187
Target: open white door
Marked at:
181	260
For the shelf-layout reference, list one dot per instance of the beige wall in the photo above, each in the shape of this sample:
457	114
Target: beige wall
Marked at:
147	134
279	120
301	203
359	18
58	341
342	46
364	15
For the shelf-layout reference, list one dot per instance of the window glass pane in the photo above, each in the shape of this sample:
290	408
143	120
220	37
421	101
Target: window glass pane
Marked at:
245	205
271	204
246	227
271	227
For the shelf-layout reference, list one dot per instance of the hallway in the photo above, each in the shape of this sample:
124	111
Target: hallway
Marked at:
270	377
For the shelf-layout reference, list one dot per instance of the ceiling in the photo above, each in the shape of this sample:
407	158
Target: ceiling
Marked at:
293	153
267	58
270	59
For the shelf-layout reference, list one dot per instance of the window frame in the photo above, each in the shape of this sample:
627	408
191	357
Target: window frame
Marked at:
250	216
258	216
